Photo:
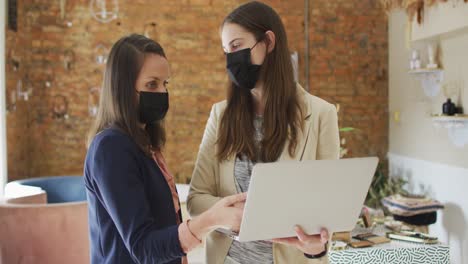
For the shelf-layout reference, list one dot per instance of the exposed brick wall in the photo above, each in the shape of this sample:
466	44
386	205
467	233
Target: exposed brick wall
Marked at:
349	61
348	52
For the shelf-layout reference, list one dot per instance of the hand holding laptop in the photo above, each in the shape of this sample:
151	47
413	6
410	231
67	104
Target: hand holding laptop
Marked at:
226	213
314	194
309	244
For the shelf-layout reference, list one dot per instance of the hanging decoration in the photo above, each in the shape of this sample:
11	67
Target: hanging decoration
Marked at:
48	81
13	60
24	89
14	64
149	30
100	54
104	11
61	20
68	59
11	106
414	8
60	107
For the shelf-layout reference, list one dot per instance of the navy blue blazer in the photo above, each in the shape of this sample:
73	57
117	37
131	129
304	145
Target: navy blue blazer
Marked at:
131	213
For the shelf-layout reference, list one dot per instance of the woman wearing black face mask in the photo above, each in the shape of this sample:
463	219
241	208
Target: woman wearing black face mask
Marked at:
267	117
134	210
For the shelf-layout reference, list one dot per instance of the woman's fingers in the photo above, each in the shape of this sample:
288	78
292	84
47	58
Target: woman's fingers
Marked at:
303	237
239	205
233	199
310	244
301	234
290	241
324	236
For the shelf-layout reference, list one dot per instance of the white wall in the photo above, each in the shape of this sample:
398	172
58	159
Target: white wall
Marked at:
443	19
449	185
414	134
421	152
3	162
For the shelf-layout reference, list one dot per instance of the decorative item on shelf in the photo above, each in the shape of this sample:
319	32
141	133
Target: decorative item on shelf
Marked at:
104	11
415	62
456	125
93	100
454	90
101	53
449	108
431	80
432	55
60	107
149	30
68	59
24	88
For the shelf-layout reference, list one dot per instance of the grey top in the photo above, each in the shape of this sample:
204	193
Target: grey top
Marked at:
258	251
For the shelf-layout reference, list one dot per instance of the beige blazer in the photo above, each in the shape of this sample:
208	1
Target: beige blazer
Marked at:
212	179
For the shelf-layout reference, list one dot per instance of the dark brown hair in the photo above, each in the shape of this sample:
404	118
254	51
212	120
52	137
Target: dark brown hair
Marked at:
283	117
118	105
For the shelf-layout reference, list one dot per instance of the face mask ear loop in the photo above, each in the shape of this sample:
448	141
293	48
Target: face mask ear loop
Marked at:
260	40
255	44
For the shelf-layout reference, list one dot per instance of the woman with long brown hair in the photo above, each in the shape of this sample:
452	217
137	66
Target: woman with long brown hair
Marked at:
134	209
267	117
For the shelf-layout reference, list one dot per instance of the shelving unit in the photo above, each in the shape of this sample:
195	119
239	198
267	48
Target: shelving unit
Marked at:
457	127
431	80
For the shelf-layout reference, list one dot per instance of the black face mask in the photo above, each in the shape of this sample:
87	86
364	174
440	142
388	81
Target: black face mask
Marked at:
241	71
153	106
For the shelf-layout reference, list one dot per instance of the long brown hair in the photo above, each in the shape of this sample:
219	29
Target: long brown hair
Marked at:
118	105
283	117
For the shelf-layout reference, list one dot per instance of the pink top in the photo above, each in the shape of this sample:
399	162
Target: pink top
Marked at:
188	240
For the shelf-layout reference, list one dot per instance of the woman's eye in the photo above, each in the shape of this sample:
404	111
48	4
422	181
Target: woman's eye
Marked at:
234	47
152	85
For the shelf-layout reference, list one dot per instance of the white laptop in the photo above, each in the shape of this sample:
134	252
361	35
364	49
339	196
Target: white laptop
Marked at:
311	194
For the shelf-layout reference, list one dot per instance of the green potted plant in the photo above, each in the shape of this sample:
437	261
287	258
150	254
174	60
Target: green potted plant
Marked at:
382	186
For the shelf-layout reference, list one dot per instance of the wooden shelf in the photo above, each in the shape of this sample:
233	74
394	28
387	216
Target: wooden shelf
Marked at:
457	127
431	80
425	71
444	118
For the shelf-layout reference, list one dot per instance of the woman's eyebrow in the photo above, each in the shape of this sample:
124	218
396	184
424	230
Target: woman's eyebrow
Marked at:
232	41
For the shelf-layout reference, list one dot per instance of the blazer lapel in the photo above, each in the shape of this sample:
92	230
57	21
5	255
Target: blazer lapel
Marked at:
303	135
227	170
